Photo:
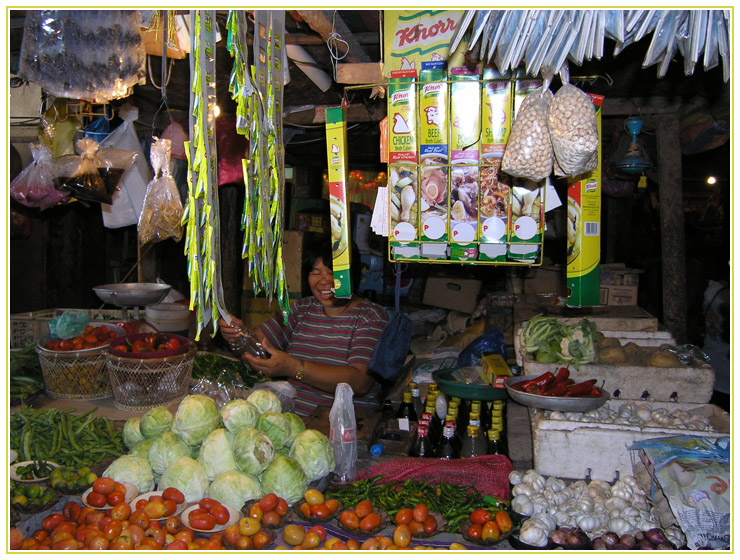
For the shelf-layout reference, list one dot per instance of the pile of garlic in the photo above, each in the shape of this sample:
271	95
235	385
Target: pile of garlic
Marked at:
642	415
595	507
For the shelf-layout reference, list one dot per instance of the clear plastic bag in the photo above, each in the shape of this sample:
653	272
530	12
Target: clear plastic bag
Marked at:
161	215
573	129
95	173
529	150
34	186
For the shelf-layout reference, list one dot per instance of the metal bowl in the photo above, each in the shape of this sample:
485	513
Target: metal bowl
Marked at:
565	404
133	294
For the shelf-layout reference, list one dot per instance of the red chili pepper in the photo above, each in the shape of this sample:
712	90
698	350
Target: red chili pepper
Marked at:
519	385
569	382
540	381
557	390
562	374
595	392
582	388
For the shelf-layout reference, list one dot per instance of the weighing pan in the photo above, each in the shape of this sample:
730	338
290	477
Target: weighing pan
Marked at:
132	294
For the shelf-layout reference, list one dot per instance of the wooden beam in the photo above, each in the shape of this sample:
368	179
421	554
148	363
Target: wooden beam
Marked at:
326	22
673	247
316	114
364	38
360	73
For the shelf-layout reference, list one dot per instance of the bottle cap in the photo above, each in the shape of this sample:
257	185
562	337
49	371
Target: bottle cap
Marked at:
377	450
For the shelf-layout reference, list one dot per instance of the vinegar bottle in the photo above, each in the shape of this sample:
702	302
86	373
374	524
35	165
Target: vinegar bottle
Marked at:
343	434
447	448
406	409
472	445
422	446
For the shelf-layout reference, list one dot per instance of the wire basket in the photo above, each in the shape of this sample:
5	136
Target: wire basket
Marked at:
75	375
29	327
142	384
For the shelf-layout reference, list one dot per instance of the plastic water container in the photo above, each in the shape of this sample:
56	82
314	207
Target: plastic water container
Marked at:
169	317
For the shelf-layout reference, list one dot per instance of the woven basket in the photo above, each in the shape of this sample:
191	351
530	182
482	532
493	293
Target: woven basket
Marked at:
75	375
142	384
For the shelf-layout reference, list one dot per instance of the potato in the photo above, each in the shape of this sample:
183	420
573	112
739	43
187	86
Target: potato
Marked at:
662	358
612	355
609	342
635	354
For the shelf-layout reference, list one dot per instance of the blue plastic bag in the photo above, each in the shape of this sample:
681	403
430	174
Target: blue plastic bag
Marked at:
491	342
393	347
69	324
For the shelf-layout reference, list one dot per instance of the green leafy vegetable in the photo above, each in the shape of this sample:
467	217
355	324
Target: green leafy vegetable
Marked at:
552	341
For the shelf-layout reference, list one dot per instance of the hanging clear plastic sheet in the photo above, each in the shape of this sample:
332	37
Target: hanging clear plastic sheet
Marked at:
697	38
614	24
578	49
711	46
723	43
664	35
539	46
599	33
562	44
507	42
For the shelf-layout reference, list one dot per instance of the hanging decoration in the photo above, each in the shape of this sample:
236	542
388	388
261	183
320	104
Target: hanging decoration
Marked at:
201	215
258	92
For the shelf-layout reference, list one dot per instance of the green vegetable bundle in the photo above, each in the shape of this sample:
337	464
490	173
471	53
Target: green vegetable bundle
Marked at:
69	440
552	341
26	377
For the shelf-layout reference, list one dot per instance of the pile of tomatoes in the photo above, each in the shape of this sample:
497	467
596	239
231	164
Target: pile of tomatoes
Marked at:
151	342
93	337
315	506
208	514
161	505
269	510
363	517
414	522
487	526
106	492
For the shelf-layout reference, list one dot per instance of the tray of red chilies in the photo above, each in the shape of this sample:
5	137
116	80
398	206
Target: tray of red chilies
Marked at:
556	391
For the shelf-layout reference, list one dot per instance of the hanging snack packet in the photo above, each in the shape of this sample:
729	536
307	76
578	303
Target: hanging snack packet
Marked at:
34	186
573	130
94	174
161	214
529	151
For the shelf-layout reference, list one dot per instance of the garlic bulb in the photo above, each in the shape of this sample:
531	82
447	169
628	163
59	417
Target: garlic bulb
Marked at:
587	523
557	415
539	503
548	520
627	410
615	502
676	536
621	490
532	534
535	479
522	488
522	505
620	526
515	477
555	483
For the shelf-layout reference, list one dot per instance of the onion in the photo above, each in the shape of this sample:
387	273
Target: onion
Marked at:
645	545
663	546
656	536
639	536
574	540
599	544
610	538
559	537
621	546
628	540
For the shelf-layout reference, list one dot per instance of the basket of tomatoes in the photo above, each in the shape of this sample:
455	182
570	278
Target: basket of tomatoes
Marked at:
75	368
147	370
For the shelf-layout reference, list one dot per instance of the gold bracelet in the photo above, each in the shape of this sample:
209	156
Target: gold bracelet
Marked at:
299	373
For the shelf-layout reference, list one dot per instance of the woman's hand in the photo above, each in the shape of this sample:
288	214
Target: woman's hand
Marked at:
230	332
279	364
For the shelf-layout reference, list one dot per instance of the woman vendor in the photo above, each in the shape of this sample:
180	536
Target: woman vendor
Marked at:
327	340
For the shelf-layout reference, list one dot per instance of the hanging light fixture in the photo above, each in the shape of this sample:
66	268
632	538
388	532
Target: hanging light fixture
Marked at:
635	160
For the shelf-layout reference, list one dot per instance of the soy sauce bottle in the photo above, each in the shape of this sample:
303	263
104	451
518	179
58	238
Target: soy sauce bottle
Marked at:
422	446
406	409
447	447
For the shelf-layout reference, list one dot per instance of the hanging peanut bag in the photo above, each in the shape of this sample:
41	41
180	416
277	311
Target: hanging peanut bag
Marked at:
161	213
574	131
528	153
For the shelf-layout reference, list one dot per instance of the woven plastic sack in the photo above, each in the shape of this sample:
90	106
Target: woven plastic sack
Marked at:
529	151
573	130
161	214
489	474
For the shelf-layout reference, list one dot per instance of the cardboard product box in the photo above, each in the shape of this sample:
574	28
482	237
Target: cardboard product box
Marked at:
446	292
611	294
619	275
566	448
545	280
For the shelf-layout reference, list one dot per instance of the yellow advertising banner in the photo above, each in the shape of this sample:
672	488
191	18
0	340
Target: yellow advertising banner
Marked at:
415	36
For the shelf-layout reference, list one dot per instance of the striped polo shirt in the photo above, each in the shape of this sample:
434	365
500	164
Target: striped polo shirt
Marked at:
348	339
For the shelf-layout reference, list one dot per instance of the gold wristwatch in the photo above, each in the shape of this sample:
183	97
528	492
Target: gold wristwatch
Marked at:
299	373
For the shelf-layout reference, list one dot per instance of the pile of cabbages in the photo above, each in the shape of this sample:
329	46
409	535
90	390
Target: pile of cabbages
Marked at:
241	452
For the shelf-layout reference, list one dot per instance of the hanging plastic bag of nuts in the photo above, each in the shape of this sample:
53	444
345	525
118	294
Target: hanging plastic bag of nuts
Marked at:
574	131
161	213
528	153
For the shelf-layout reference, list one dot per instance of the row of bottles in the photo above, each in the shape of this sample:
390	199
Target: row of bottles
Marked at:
469	429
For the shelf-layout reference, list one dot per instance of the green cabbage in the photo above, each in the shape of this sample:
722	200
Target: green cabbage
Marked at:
235	488
296	427
286	478
167	448
142	448
276	426
253	450
265	401
188	476
155	421
133	469
314	453
238	414
131	432
196	417
216	455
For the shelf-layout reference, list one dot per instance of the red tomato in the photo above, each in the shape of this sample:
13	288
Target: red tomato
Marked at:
96	499
480	517
420	513
169	507
173	494
221	514
363	507
140	503
319	530
202	521
271	519
51	521
474	531
140	518
268	502
281	507
490	531
71	510
403	516
177	545
103	485
332	504
117	486
320	511
173	525
207	503
370	522
260	540
430	525
112	530
349	519
120	511
116	497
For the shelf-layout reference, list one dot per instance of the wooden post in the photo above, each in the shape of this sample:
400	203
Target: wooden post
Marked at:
672	225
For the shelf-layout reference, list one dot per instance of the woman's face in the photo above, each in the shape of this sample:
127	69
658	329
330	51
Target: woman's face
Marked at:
321	282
